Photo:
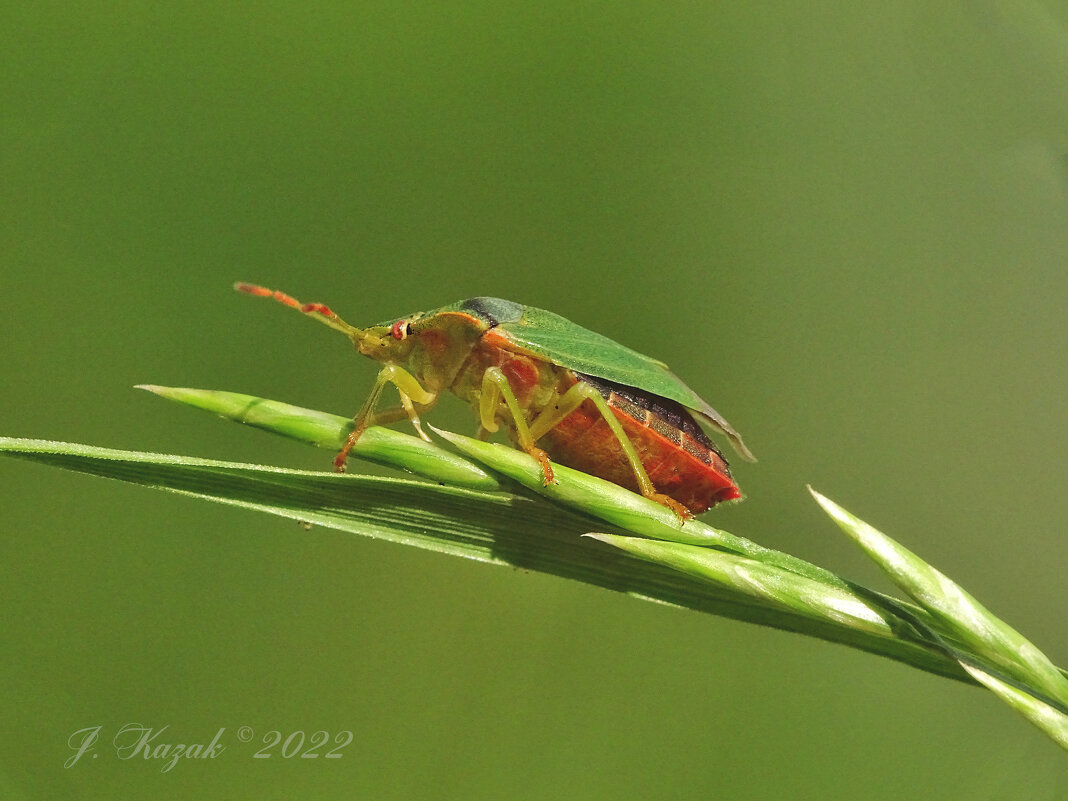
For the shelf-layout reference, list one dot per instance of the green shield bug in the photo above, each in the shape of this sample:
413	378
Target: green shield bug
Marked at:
564	393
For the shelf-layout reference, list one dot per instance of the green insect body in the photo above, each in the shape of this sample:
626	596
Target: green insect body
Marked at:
588	401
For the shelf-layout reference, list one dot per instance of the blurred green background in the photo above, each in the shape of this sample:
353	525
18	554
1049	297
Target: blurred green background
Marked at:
846	226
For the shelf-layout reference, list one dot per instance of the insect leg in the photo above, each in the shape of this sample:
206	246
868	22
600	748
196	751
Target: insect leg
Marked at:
569	402
410	390
495	386
395	413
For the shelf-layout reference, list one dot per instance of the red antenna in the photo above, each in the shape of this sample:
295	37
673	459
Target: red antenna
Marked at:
319	311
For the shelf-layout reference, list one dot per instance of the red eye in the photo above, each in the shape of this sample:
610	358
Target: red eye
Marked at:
399	329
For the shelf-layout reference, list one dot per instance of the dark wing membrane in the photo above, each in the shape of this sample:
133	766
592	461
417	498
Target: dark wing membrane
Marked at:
718	422
491	311
671	412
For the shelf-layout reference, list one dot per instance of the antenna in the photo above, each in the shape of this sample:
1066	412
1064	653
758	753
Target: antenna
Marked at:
318	311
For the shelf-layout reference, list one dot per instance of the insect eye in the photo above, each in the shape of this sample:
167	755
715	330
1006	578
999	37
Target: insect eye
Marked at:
399	329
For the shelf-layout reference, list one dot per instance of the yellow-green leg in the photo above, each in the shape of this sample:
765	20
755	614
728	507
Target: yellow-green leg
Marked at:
411	393
569	402
495	387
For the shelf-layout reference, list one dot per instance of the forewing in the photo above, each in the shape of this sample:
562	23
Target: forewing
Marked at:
562	342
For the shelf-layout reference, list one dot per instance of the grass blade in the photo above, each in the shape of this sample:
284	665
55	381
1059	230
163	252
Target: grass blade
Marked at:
1052	721
985	636
379	445
626	509
687	564
493	527
766	583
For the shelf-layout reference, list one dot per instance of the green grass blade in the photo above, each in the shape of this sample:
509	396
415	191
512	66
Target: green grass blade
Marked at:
379	445
1052	721
628	510
687	564
985	636
491	527
623	508
374	506
577	490
580	491
768	584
